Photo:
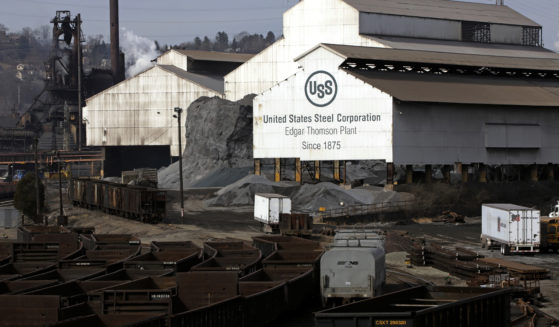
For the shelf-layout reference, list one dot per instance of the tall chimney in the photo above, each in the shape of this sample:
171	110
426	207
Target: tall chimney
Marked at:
116	64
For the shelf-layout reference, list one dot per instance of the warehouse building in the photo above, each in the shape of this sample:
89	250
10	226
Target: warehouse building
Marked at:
139	110
449	83
435	25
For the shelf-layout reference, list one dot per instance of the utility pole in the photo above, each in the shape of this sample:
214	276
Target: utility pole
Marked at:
37	197
78	28
178	116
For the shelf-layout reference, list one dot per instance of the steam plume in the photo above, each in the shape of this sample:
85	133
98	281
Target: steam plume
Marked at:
138	52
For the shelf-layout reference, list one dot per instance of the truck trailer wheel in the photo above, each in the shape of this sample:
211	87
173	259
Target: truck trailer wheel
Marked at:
505	249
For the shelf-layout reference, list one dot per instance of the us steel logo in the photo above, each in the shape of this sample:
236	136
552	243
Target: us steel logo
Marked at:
321	88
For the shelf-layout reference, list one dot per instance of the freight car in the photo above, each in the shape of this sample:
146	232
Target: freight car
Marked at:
135	202
354	268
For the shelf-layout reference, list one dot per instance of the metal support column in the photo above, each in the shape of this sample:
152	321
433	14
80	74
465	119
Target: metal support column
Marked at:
389	175
458	167
317	170
62	219
37	196
337	170
534	173
277	170
550	172
482	173
345	172
257	169
446	173
80	112
298	175
409	174
428	174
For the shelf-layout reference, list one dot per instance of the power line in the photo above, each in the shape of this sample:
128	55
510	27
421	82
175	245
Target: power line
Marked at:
186	21
162	9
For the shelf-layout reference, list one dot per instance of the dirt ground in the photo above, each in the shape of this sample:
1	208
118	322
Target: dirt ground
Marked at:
466	199
467	236
199	224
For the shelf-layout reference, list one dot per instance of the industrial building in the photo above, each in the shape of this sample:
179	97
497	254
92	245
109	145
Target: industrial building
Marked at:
139	110
400	24
437	83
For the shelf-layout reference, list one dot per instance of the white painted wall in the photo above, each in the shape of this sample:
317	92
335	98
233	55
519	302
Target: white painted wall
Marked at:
127	113
174	58
347	141
305	25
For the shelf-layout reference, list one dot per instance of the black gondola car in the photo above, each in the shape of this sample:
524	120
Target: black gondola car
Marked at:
135	202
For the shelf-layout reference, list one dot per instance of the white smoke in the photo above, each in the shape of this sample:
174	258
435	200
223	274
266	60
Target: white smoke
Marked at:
138	52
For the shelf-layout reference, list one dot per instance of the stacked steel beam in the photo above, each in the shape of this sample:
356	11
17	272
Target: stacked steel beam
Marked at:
466	264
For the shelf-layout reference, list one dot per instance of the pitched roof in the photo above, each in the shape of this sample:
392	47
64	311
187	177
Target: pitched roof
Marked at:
216	56
462	89
445	58
491	49
444	9
214	83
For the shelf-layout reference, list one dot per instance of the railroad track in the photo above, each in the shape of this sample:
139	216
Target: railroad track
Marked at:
406	278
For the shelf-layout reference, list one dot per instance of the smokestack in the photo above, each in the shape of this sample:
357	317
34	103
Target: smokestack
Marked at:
116	63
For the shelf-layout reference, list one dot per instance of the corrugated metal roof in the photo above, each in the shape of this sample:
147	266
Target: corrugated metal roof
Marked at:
490	49
506	206
214	83
445	58
462	89
443	9
216	56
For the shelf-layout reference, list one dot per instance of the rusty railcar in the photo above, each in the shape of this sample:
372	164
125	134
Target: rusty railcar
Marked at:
140	203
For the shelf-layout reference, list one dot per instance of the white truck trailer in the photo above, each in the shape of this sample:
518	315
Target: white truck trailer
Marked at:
268	209
515	229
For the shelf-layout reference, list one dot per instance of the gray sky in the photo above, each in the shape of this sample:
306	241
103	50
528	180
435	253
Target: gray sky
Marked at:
176	21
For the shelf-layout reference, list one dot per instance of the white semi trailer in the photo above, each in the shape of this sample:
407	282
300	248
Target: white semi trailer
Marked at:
268	209
515	229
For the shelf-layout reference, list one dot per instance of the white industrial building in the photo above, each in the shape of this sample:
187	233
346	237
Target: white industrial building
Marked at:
430	82
399	24
139	110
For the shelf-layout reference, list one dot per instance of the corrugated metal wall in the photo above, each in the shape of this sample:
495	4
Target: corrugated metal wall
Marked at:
377	24
173	58
447	133
139	111
305	25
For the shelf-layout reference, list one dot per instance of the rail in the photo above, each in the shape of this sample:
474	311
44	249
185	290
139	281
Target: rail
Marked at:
49	158
364	209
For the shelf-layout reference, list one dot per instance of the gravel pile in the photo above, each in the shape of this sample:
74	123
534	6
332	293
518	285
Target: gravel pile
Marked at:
307	197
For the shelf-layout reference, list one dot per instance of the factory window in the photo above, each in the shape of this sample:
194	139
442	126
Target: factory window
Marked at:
531	36
476	32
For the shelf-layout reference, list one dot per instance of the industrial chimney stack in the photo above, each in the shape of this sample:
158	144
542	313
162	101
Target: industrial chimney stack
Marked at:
117	60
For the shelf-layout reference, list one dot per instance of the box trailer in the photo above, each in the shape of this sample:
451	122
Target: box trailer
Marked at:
515	229
268	208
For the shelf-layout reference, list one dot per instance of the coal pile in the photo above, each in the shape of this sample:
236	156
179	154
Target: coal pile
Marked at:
219	144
